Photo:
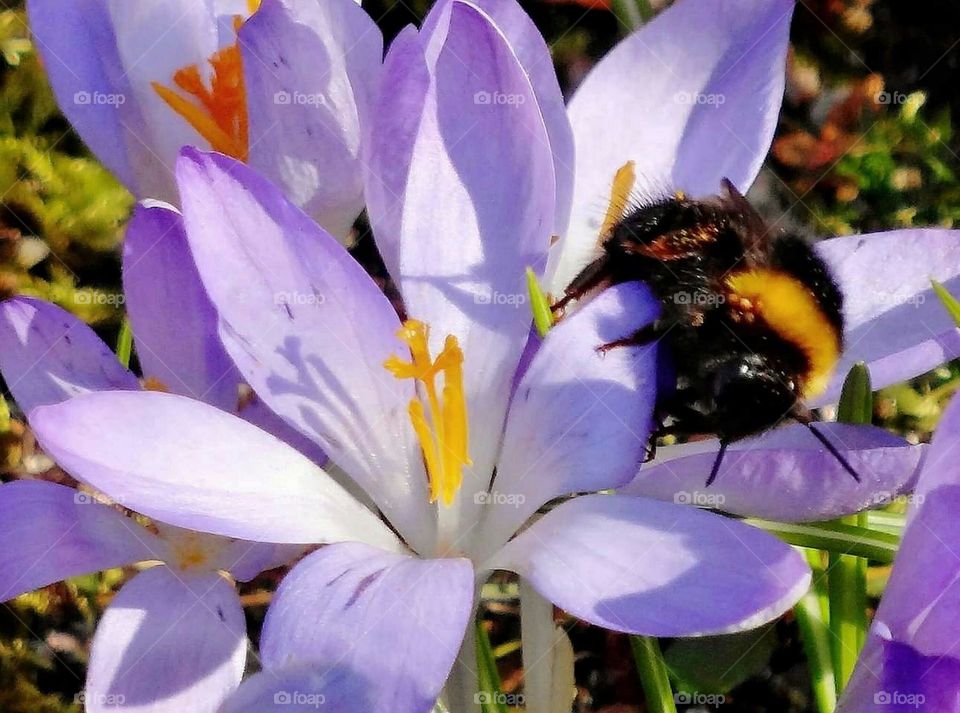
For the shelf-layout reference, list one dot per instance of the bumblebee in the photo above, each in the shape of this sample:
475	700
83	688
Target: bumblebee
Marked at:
751	321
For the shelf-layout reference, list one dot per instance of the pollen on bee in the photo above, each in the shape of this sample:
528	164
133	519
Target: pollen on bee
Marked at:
440	424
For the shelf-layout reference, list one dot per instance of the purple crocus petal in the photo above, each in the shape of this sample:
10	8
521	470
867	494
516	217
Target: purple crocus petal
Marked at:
939	465
80	57
309	330
398	619
245	560
902	680
394	127
189	464
168	643
894	321
785	474
306	689
174	324
580	420
913	650
154	40
658	569
483	146
534	56
695	95
254	411
306	131
54	532
48	355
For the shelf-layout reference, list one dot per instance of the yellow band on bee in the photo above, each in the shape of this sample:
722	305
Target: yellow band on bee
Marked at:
790	309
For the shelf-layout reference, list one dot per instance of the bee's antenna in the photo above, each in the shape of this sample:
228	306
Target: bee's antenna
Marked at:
834	452
716	464
803	417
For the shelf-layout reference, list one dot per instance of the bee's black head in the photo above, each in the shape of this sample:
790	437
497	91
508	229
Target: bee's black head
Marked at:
751	393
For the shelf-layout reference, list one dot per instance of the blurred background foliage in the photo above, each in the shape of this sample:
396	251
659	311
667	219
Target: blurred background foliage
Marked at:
866	142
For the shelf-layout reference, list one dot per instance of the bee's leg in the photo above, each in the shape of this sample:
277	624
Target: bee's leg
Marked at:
646	335
591	277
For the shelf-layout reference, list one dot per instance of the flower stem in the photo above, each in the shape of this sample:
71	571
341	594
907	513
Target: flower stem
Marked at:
653	674
847	574
463	685
812	612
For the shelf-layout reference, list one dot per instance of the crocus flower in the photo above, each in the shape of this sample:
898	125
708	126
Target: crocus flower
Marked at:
174	637
911	661
423	413
286	89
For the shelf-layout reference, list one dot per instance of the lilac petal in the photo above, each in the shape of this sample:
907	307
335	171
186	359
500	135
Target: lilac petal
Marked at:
692	97
306	689
167	644
483	146
902	680
191	465
47	355
785	474
245	560
311	71
939	465
894	321
154	40
913	651
657	569
79	51
395	125
534	56
923	594
580	420
309	330
174	324
54	532
399	620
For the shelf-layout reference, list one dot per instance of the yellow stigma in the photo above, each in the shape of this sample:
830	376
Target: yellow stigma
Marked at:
218	112
444	436
623	182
